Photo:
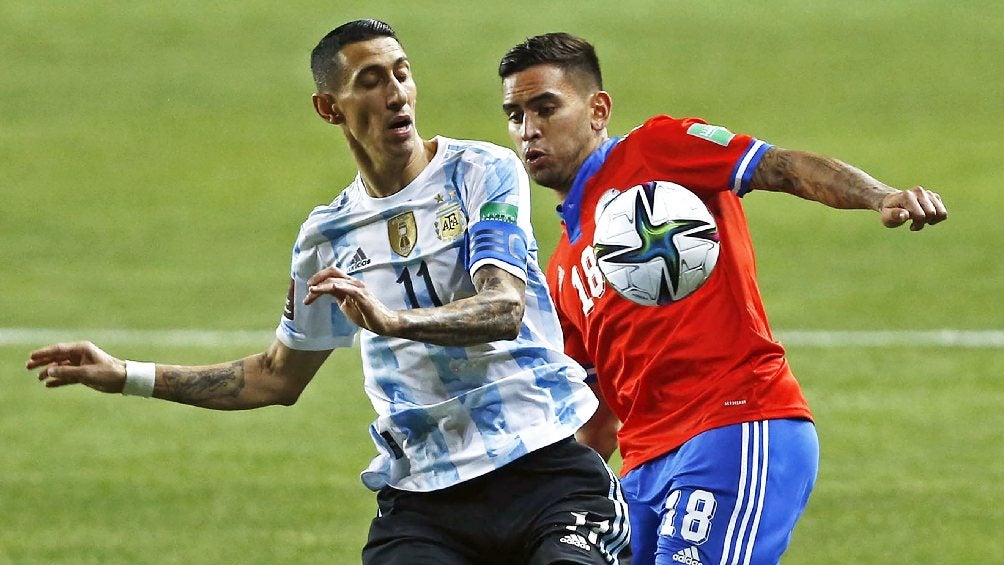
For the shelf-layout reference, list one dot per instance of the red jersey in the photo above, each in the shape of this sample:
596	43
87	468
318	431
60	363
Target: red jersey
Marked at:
671	372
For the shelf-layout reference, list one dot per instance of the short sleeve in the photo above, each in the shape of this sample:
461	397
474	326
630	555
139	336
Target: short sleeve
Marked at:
320	325
698	155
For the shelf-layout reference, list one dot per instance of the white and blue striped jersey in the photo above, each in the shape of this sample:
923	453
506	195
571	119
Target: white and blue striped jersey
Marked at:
444	414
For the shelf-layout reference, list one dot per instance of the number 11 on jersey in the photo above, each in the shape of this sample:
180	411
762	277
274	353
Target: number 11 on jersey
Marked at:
409	286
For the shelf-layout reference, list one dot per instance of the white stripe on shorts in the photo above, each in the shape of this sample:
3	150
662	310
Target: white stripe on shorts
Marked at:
753	469
618	536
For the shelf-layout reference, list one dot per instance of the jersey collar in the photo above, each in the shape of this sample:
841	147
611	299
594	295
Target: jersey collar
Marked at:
569	209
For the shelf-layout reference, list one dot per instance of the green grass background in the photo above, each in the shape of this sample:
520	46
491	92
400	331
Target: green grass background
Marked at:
156	160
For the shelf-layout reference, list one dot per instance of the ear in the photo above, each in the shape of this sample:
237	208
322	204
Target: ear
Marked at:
324	105
600	106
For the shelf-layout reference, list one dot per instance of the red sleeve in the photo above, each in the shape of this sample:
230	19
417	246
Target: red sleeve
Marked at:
697	155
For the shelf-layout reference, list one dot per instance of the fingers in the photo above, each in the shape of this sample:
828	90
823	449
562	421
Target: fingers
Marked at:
917	205
940	211
893	218
340	288
73	353
62	374
103	377
327	273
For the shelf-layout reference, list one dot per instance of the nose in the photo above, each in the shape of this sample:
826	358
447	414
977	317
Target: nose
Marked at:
398	95
528	129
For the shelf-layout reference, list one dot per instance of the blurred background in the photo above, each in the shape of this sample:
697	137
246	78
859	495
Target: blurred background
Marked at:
157	160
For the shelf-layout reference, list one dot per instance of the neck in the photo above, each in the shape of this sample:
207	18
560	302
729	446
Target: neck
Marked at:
384	175
566	187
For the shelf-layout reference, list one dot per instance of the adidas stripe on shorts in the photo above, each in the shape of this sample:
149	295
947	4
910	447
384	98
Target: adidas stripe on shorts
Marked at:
729	496
559	504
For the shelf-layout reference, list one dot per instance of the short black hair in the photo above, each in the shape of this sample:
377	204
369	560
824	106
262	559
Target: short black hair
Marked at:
324	57
563	50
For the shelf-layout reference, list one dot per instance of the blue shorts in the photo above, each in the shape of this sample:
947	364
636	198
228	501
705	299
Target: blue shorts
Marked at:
728	496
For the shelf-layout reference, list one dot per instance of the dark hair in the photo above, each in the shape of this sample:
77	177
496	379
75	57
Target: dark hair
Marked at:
324	57
562	50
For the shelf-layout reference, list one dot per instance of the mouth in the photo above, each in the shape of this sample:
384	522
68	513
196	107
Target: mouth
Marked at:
400	125
533	156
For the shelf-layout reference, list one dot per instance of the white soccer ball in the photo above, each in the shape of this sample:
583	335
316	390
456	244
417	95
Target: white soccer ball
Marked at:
655	243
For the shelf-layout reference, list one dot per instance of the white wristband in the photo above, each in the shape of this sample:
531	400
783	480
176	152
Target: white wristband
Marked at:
140	378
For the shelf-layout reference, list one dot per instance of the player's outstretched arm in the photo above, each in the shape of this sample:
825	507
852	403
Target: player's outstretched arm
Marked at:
839	185
275	376
494	313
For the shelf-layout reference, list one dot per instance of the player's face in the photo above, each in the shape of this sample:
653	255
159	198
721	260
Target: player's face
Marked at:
552	123
375	98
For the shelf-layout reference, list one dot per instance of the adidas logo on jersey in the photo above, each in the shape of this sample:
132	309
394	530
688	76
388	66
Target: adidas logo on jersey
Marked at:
359	260
688	556
576	540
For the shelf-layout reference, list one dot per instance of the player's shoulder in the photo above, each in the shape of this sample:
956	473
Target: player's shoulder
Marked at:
685	134
475	151
346	199
663	125
323	217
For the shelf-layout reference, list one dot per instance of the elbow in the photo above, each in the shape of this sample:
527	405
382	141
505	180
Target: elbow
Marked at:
289	391
280	382
288	398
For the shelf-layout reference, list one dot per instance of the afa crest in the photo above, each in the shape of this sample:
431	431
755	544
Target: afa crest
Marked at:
450	222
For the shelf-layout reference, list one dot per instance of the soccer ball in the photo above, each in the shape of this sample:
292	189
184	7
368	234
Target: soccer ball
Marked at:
655	243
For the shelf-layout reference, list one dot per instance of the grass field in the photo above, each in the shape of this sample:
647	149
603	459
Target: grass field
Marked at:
156	161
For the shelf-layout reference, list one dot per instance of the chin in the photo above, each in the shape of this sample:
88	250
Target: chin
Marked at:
546	179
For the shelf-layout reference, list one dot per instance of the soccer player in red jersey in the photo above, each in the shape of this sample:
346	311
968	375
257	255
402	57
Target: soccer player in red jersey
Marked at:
718	445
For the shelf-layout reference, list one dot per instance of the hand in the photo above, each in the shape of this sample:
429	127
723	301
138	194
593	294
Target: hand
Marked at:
81	362
354	299
918	204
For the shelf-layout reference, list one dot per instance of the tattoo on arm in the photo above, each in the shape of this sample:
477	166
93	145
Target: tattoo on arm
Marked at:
818	178
205	385
495	313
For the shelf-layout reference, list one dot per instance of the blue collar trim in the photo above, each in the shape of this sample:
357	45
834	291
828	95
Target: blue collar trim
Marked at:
569	209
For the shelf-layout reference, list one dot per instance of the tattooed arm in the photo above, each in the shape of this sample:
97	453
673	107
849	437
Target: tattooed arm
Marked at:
275	376
494	313
839	185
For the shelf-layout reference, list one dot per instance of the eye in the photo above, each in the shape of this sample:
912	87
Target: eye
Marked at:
369	80
545	111
515	117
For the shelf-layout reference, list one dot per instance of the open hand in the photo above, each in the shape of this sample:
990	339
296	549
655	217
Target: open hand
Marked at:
79	362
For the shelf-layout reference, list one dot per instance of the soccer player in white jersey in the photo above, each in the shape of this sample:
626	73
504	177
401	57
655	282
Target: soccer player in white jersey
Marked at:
428	257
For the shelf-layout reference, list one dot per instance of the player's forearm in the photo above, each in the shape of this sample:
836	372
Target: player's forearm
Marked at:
471	321
495	313
211	386
236	385
822	179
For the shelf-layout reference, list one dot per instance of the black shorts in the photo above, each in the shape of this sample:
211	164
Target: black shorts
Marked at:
559	504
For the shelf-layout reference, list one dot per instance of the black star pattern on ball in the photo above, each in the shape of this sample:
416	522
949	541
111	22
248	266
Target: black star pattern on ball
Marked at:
656	242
